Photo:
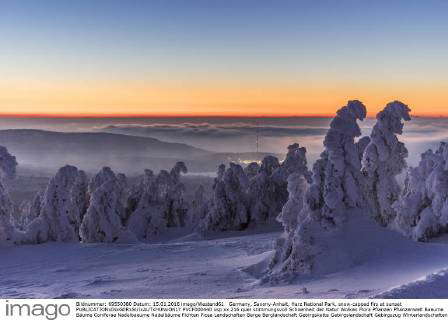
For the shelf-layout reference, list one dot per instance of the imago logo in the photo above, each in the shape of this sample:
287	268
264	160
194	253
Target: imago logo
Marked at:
50	311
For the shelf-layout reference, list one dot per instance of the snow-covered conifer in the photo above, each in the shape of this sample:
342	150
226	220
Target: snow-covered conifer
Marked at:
61	208
228	209
384	159
265	194
251	170
171	193
199	206
8	166
316	210
105	174
158	203
295	162
422	210
7	231
145	219
291	216
337	181
268	189
28	211
103	219
297	186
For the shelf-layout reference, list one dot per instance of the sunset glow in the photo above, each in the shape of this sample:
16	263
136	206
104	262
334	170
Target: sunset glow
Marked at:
224	58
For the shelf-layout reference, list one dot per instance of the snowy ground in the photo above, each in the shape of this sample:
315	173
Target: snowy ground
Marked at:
214	269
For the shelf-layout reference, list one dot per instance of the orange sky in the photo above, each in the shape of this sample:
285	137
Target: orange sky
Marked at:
244	58
225	99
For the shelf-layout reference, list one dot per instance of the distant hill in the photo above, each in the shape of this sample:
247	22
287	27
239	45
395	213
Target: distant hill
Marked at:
46	151
93	142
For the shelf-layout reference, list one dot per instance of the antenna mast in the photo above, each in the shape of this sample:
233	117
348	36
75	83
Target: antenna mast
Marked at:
257	136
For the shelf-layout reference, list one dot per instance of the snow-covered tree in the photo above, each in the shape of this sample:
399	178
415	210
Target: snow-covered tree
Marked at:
8	166
145	219
28	211
170	194
103	221
254	195
61	208
251	170
175	206
296	172
105	174
265	194
297	186
422	210
337	181
320	208
384	159
79	199
228	208
106	214
145	182
268	190
287	254
199	206
295	162
6	207
158	203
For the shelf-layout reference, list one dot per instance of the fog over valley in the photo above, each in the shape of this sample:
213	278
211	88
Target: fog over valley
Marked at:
133	144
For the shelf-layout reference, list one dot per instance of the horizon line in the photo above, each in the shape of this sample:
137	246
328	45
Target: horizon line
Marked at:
182	115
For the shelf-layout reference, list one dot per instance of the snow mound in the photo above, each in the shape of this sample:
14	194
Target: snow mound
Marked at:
319	251
433	286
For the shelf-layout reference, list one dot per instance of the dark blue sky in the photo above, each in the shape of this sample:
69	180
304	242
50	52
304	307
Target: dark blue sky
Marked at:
270	43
